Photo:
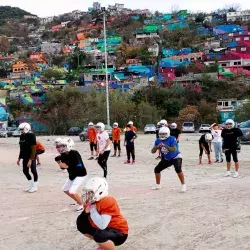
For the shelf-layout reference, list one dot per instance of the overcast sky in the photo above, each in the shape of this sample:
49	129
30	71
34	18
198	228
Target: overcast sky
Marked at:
45	8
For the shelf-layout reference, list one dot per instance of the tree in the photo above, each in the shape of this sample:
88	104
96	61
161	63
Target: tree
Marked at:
76	59
189	114
242	113
54	74
4	44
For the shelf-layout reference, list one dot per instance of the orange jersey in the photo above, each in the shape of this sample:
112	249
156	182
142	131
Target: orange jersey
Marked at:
92	135
39	146
109	206
116	134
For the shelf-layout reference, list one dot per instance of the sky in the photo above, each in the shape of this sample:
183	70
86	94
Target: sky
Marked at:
46	8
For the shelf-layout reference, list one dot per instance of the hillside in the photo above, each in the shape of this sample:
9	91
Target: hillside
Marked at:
8	12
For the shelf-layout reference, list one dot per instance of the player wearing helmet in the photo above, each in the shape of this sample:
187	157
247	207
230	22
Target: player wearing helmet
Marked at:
92	140
217	141
116	138
174	131
171	156
205	145
231	146
129	139
28	155
132	126
72	161
103	147
102	220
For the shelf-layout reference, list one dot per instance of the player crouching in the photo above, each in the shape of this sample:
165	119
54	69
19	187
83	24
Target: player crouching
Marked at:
102	220
72	161
171	156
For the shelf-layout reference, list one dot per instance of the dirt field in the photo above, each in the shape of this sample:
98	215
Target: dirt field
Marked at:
213	214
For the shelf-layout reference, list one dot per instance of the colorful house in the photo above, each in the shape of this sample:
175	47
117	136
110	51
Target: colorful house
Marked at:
20	66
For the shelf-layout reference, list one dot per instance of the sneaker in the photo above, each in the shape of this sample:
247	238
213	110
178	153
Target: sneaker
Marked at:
228	174
96	158
158	157
30	186
133	163
221	161
79	209
210	163
236	175
200	163
34	188
64	171
119	156
184	188
38	164
156	187
113	156
127	162
91	158
216	161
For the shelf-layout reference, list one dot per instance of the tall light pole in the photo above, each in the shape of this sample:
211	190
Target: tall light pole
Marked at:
106	63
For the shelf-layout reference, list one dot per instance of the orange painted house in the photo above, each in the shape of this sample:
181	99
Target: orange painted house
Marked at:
20	66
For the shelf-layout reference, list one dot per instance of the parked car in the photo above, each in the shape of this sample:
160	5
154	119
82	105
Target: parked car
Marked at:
188	127
150	129
3	132
84	135
245	127
11	130
204	128
16	133
74	131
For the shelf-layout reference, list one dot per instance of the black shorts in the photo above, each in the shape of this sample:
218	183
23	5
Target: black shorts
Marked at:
232	152
163	164
99	236
117	145
93	146
39	152
201	149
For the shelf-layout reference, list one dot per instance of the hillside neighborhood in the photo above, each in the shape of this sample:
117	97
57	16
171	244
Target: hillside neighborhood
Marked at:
165	61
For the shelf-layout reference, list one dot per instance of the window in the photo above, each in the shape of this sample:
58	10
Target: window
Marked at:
223	64
246	38
234	49
237	39
243	49
225	104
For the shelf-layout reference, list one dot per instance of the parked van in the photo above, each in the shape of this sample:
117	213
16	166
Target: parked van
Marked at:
188	127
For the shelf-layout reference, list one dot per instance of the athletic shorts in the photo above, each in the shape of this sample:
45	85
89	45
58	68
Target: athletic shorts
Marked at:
93	146
39	152
163	164
72	186
232	152
99	236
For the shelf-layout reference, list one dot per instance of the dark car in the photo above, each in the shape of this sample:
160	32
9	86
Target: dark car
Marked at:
245	127
74	131
84	135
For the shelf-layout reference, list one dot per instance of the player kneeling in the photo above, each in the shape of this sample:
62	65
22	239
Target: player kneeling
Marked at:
102	220
72	161
171	156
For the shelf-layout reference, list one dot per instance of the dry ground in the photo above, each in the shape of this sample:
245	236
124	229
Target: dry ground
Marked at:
213	214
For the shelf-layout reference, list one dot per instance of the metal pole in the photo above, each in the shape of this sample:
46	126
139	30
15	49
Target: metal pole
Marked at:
106	66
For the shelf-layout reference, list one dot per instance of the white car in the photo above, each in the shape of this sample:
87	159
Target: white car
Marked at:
150	129
188	127
16	133
3	132
205	128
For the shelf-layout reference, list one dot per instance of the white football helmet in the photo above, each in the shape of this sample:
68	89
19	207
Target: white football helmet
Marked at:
57	140
173	125
208	137
64	145
230	123
130	123
164	133
164	122
91	124
100	127
24	128
115	125
95	190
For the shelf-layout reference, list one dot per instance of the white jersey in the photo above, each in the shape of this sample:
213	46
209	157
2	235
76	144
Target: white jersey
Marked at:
217	135
102	139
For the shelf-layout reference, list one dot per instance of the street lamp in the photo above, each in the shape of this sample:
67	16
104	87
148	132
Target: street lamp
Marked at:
106	63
